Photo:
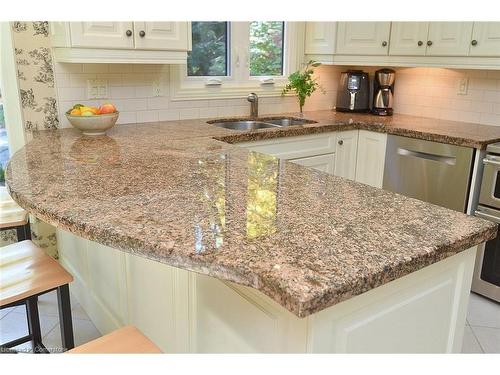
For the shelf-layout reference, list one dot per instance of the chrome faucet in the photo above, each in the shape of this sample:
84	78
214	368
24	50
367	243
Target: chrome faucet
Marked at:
254	104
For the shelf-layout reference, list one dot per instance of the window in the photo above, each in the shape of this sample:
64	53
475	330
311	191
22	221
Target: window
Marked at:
266	48
209	56
230	59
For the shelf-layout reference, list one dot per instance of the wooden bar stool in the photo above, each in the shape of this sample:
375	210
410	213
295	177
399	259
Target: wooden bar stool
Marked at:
126	340
12	216
26	272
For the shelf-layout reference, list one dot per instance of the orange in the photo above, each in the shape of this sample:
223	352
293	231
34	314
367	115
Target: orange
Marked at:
75	112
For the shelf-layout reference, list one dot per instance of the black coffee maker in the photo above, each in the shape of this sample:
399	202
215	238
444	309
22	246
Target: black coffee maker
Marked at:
354	92
383	92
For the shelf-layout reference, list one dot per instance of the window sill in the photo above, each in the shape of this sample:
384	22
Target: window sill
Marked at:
221	92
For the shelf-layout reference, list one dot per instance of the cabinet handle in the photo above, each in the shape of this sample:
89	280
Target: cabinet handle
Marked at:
341	142
429	43
384	43
128	33
142	33
420	43
474	42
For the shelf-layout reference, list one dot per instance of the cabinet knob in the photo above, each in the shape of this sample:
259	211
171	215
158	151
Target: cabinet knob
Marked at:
419	43
341	142
474	42
384	43
429	43
142	33
128	33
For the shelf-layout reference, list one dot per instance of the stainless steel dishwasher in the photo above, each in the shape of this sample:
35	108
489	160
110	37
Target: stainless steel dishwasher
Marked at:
430	171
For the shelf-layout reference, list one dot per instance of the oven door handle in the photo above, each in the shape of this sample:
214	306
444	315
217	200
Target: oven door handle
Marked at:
489	217
490	159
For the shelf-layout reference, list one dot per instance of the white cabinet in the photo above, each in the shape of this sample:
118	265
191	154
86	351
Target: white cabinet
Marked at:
449	38
437	44
121	42
289	148
324	163
408	38
101	34
354	154
363	38
320	38
430	38
345	156
371	158
485	39
185	312
161	35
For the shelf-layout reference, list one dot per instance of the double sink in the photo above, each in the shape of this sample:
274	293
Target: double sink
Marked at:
260	123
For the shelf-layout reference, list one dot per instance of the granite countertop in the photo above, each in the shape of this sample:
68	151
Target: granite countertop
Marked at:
444	131
172	193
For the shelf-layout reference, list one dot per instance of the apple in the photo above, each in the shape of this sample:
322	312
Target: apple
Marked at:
87	113
107	108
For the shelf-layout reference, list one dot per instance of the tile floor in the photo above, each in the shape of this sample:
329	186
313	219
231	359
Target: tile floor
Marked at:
13	324
482	330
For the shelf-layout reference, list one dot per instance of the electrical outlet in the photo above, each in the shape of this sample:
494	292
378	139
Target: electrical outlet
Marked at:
97	89
463	85
157	88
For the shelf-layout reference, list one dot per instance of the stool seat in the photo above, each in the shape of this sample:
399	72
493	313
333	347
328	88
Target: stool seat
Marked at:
126	340
26	270
11	214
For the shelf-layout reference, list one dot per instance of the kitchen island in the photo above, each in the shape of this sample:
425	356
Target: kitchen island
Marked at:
207	247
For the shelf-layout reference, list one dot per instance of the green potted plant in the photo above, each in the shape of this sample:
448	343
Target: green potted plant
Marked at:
303	83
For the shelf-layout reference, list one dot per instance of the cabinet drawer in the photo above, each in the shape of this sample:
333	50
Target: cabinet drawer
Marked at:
295	147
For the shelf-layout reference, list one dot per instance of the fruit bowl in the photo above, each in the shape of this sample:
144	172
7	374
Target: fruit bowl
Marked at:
94	125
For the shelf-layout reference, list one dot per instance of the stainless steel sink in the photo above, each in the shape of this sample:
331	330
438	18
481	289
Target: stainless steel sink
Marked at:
261	123
287	121
244	125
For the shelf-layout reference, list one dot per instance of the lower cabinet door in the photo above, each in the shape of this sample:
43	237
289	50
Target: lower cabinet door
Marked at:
346	153
371	158
323	163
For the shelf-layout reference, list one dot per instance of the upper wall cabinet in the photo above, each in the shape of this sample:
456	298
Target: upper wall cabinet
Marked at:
102	34
485	39
157	35
449	38
367	38
439	44
430	38
320	37
408	38
121	42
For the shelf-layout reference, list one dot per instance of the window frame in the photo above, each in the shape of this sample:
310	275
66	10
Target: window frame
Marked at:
239	82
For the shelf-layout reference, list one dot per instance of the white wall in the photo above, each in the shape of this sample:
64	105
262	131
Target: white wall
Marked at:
130	89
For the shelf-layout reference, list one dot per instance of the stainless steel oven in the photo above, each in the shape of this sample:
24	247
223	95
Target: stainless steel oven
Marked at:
486	279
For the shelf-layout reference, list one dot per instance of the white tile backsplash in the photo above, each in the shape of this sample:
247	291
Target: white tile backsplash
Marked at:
130	89
433	92
429	92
